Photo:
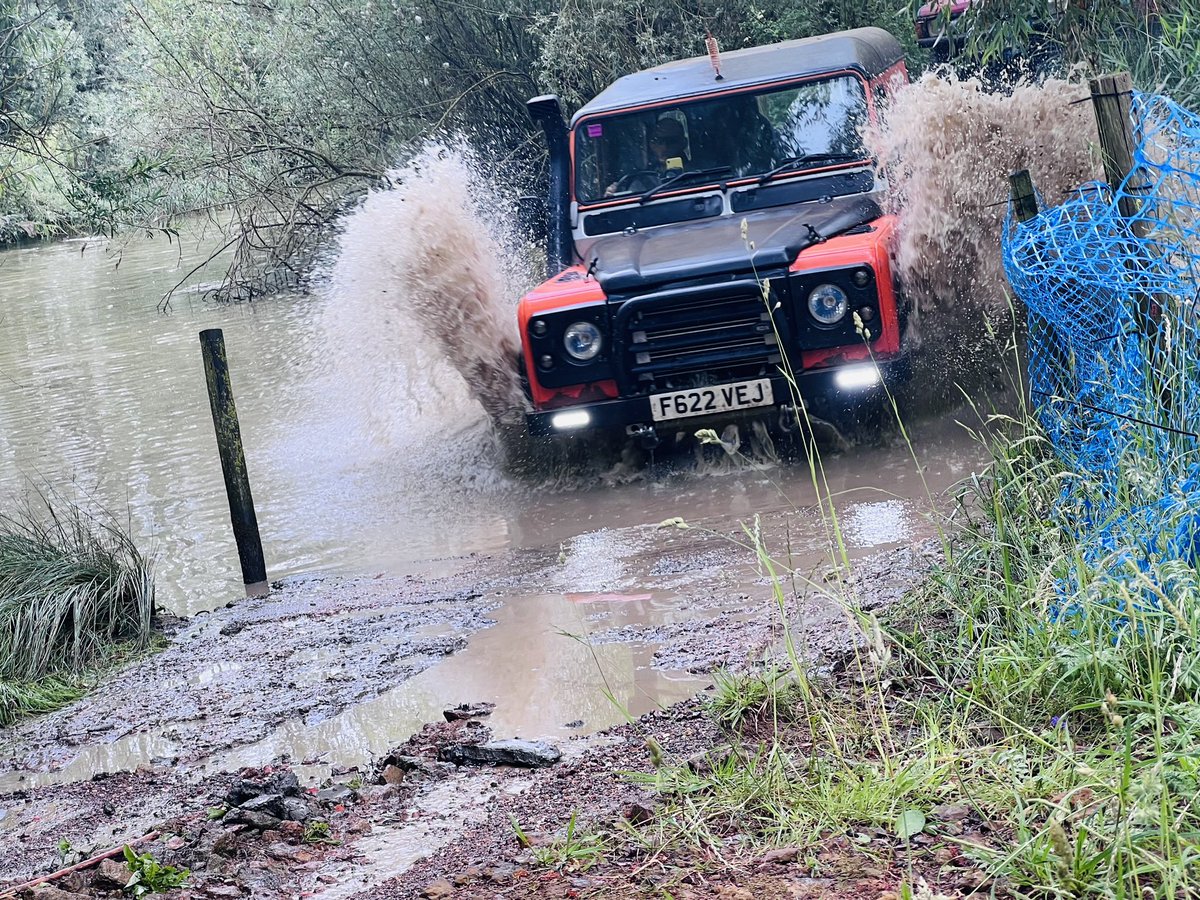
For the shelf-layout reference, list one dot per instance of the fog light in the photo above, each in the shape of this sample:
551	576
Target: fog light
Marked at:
867	313
539	327
546	362
856	378
574	418
862	278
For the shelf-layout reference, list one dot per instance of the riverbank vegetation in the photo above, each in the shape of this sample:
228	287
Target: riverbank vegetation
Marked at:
76	595
273	118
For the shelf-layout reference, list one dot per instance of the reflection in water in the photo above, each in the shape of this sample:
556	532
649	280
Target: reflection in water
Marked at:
875	524
536	664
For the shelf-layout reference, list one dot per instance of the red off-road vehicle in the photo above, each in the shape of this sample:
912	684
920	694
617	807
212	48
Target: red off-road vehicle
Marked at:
716	243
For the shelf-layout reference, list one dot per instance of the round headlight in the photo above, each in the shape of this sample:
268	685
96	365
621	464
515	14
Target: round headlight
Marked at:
828	304
582	340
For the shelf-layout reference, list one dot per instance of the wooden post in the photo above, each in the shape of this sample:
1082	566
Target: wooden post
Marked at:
233	463
1112	102
1024	200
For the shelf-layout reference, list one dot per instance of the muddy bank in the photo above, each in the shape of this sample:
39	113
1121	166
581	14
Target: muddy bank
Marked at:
226	679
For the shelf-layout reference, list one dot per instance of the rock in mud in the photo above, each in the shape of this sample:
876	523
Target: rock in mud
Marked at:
110	875
257	820
52	893
338	793
436	890
468	711
639	814
781	856
522	754
224	842
393	774
268	804
500	873
408	765
296	810
283	784
949	812
467	876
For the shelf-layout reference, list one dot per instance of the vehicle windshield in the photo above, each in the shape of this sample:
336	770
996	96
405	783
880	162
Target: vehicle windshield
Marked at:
733	136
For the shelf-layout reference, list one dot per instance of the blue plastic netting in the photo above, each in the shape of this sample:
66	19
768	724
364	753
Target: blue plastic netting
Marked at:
1111	281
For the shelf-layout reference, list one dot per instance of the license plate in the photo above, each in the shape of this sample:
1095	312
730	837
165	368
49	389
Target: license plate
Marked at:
706	400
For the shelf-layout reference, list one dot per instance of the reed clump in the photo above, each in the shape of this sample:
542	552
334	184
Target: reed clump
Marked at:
75	594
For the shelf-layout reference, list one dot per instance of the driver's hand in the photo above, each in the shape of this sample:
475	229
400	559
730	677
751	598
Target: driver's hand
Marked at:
610	190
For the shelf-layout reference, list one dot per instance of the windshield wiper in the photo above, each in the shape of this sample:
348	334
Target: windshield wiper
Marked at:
793	162
680	176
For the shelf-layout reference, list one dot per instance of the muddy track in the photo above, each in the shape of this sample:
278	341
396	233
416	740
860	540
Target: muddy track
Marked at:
327	675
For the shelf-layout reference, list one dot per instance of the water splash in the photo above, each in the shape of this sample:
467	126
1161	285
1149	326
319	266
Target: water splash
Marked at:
422	326
428	276
949	147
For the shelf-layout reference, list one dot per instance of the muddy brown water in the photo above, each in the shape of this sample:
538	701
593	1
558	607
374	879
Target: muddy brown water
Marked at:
103	396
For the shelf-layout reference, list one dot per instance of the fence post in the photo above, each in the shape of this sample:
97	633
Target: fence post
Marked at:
1112	101
233	463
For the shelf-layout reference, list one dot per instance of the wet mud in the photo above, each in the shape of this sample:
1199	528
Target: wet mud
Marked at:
327	676
226	679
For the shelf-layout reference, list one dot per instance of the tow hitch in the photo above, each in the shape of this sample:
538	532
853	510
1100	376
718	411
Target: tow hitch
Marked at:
647	436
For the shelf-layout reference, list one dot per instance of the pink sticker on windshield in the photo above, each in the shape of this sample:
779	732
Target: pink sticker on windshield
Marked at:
595	130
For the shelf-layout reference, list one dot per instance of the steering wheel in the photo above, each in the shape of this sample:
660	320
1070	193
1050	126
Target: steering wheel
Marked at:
638	182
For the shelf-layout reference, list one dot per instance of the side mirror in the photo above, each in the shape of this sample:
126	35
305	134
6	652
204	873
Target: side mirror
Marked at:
532	218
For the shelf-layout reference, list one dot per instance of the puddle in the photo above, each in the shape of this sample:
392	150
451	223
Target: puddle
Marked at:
536	664
878	524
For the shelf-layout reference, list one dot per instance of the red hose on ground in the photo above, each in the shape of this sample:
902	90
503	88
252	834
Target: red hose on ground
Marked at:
11	893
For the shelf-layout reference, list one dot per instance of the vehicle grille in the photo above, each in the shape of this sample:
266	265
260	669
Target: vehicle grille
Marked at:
687	343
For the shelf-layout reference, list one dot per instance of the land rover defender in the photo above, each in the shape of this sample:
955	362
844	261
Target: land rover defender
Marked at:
716	244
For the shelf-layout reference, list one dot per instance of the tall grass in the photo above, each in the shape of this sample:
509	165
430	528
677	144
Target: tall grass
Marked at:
74	591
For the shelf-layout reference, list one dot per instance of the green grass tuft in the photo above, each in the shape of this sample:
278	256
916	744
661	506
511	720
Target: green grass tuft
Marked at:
75	593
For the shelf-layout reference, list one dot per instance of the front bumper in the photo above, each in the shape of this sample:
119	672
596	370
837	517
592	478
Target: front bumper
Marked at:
818	388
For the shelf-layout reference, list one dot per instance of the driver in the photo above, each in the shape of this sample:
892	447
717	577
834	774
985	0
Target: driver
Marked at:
668	143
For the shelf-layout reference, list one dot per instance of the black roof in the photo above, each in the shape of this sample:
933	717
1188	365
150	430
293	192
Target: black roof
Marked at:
869	50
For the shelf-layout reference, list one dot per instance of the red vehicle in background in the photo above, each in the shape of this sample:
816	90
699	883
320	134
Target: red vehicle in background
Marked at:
717	246
937	31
